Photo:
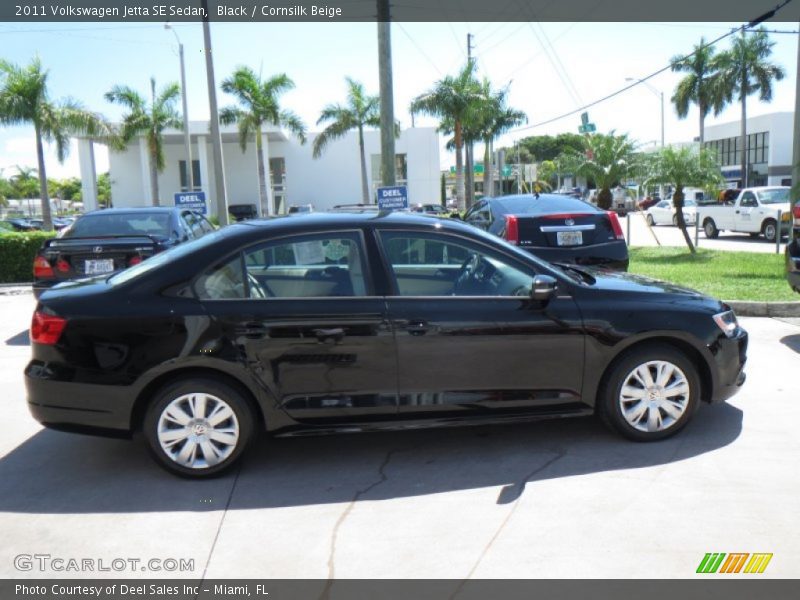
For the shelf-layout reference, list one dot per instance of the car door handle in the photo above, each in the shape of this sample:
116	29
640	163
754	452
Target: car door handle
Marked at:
334	335
252	330
417	327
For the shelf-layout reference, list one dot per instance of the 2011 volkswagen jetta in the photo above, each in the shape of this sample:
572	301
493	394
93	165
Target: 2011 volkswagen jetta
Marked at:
354	322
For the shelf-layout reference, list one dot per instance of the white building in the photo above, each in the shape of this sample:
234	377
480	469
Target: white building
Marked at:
769	149
297	178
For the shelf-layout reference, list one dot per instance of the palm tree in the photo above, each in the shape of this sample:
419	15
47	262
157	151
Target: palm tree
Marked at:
744	69
451	99
360	111
699	86
258	106
606	159
24	99
683	167
148	120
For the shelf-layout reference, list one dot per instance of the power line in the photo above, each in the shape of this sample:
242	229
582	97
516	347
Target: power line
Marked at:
420	50
641	80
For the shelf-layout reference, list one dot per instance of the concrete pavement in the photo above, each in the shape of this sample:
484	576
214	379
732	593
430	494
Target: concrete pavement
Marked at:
555	499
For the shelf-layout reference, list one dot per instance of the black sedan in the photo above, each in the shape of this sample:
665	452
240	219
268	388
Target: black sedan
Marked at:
554	227
355	322
108	240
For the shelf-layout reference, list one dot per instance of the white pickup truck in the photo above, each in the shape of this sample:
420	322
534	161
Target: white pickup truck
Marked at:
755	211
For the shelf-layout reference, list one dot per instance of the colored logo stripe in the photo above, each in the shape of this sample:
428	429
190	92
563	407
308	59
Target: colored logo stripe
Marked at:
758	563
734	562
713	562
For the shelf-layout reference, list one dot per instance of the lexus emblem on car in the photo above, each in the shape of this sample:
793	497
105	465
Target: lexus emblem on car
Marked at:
97	249
569	222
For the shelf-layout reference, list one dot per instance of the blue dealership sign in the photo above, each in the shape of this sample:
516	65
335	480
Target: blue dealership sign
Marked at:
393	197
192	200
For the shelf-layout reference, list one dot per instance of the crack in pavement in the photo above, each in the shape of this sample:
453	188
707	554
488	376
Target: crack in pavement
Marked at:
510	497
335	533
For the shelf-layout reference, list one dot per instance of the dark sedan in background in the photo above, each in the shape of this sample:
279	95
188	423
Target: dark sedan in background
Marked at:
554	227
104	241
355	322
793	251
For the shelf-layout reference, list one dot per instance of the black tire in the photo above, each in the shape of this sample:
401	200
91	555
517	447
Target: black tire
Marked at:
650	220
217	396
610	401
770	230
710	229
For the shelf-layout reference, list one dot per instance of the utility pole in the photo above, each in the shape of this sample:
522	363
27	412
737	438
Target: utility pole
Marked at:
186	139
469	166
216	139
796	145
386	92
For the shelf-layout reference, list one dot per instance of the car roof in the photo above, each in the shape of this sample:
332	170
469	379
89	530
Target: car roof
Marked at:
134	210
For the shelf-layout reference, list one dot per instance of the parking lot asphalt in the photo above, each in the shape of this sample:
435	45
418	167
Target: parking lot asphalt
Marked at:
559	499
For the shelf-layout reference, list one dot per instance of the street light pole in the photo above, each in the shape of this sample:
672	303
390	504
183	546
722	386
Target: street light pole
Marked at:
186	139
658	93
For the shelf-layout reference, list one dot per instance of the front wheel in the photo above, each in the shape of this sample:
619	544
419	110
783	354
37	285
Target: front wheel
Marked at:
710	229
650	394
650	220
198	427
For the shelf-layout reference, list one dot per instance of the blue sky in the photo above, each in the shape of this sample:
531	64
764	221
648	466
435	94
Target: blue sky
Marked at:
552	68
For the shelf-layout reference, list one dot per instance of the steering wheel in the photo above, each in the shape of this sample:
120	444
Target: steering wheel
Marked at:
257	290
466	273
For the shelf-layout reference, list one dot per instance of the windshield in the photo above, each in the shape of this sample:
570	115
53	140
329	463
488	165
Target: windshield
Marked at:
774	196
144	223
173	253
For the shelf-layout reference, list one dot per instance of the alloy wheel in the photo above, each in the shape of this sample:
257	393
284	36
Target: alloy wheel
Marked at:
654	396
198	430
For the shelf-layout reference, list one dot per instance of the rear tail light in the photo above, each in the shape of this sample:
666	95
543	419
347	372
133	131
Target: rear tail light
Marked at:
42	268
796	214
615	226
46	329
62	265
134	260
512	229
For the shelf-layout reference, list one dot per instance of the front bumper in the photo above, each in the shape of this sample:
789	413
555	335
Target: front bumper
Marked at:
730	356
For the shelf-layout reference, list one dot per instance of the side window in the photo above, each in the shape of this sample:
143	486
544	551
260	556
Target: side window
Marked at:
473	211
309	266
223	281
425	264
748	199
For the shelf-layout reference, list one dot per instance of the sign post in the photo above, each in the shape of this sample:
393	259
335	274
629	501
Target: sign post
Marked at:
192	200
392	197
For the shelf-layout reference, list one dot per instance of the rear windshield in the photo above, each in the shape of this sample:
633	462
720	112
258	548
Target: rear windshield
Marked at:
100	224
546	203
774	196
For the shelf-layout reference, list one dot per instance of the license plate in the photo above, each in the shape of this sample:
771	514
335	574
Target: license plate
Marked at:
569	238
98	267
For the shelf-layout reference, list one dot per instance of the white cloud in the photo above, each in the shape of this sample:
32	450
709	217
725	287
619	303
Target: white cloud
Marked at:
21	150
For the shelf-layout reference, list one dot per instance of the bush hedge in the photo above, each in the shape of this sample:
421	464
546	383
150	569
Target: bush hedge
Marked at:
17	251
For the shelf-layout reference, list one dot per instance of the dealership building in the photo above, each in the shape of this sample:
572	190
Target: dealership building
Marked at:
769	149
296	177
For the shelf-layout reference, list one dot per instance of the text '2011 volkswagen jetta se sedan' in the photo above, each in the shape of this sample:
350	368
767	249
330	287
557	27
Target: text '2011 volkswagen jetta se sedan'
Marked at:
355	322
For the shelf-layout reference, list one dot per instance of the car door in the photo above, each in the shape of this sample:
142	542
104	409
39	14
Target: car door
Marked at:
661	213
744	214
300	310
479	346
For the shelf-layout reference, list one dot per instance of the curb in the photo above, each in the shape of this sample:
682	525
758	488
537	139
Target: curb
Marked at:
765	309
15	289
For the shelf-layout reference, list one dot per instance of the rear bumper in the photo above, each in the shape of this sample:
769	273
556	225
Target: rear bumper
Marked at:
793	263
613	255
87	408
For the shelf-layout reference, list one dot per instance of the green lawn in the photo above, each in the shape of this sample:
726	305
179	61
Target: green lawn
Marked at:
724	275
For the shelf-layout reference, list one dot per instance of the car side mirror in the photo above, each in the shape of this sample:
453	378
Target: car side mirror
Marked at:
544	286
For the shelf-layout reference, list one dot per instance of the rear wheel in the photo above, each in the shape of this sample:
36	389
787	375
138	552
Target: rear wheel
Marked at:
650	394
198	428
770	230
650	220
710	229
